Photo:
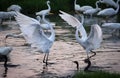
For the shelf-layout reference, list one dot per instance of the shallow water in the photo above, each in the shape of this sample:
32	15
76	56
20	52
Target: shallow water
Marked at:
25	63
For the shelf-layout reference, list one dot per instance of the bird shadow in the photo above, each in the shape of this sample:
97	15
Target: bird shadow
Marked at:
96	68
9	65
5	72
12	65
44	73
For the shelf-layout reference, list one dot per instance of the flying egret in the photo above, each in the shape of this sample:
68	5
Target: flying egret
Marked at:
32	29
89	43
14	8
109	2
92	11
4	51
46	11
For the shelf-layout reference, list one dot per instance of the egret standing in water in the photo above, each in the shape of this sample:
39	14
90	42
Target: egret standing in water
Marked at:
14	8
92	11
79	8
109	2
46	11
32	29
89	43
4	51
109	11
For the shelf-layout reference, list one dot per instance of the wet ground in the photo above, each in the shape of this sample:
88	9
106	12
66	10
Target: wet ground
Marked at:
25	63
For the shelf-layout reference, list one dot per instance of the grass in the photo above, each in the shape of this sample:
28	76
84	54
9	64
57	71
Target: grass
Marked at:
96	74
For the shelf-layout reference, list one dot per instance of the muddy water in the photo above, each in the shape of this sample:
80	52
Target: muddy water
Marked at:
25	63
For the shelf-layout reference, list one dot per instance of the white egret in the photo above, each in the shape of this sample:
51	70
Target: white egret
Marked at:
89	43
109	11
44	25
6	15
111	25
114	26
92	11
4	51
21	35
109	2
43	13
81	8
76	6
46	11
14	8
32	29
14	35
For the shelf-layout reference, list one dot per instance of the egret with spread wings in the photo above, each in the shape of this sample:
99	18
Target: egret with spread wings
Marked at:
89	43
34	34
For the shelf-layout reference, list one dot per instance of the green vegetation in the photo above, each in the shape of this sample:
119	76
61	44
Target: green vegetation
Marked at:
32	6
96	74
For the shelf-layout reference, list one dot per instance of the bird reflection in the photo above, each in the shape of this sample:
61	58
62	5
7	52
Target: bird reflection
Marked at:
5	72
45	69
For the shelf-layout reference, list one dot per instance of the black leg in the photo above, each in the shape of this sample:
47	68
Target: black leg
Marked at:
6	59
89	64
77	64
45	59
94	53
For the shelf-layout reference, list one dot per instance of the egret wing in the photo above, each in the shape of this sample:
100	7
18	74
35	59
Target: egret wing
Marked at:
26	25
71	20
41	41
95	36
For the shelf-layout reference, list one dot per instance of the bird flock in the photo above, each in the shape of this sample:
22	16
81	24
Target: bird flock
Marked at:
32	29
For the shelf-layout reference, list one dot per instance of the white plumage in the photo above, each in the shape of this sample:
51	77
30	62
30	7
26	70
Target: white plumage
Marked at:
109	2
5	50
7	15
44	25
46	11
34	34
92	11
89	43
111	25
14	8
76	6
81	8
109	11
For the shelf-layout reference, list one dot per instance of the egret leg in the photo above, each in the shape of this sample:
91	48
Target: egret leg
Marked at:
77	64
89	64
94	53
5	63
87	60
45	59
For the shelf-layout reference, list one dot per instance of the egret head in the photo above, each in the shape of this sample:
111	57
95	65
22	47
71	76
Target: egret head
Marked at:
48	1
38	18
